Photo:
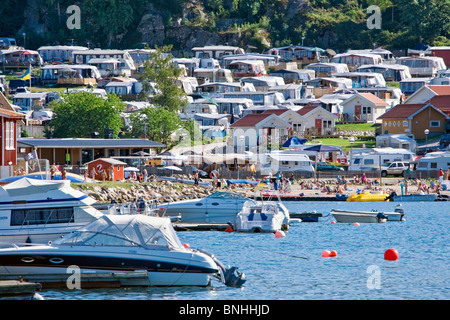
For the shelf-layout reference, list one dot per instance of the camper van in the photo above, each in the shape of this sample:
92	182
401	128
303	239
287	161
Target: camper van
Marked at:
286	162
373	159
434	161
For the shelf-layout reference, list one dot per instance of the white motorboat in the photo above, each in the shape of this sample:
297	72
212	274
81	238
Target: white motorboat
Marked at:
118	244
219	207
39	211
261	217
349	216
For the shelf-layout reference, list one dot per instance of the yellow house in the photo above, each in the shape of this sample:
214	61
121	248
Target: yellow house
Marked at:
414	119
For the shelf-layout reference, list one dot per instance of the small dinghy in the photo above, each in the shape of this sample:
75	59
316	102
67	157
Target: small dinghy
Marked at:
349	216
352	216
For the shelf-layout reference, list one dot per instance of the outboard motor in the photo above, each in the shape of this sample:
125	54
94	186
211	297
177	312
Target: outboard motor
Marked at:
391	196
228	276
380	216
400	210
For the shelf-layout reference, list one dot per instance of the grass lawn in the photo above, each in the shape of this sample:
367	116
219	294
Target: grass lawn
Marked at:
345	143
357	126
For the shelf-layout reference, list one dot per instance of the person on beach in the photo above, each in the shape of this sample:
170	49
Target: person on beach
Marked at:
196	178
363	178
441	175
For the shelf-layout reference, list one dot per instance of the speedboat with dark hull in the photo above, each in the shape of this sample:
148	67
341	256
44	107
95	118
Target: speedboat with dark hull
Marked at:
118	244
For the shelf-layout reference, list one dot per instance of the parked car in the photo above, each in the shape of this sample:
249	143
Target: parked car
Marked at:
326	166
444	141
395	168
201	173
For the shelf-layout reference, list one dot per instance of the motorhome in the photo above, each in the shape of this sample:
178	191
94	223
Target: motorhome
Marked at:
372	159
434	161
286	162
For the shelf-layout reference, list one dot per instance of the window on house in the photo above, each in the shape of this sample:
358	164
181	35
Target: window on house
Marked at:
435	124
9	135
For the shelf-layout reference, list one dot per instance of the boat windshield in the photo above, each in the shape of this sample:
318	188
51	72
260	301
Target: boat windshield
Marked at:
227	195
125	230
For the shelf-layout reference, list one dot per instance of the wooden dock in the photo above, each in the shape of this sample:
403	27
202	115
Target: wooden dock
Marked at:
15	289
87	280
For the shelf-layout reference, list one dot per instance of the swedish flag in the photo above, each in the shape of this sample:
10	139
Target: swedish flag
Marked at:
26	75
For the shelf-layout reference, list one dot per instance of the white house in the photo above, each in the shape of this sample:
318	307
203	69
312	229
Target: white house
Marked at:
427	92
260	129
363	107
323	69
319	121
298	122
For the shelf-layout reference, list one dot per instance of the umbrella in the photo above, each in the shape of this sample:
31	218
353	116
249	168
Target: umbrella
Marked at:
322	148
131	169
141	154
173	168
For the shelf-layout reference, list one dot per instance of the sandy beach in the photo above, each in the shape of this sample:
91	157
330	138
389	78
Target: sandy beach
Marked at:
308	189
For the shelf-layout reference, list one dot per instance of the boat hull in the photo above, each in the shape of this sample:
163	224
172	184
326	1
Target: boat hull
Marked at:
163	268
415	197
367	197
360	217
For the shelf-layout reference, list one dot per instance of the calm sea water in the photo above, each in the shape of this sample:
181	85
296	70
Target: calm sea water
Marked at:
292	268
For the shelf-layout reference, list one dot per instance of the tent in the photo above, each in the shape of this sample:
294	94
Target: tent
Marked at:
293	141
322	148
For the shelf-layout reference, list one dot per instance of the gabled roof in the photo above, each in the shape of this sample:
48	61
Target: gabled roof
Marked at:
441	90
252	120
308	109
408	111
368	96
7	110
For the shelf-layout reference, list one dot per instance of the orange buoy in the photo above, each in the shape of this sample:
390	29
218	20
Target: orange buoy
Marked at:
391	254
326	253
333	254
356	224
279	234
186	245
229	229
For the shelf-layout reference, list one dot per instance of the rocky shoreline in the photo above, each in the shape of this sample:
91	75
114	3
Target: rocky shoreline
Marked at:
162	191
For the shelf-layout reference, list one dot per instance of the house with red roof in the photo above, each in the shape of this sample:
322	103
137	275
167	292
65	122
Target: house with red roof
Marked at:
8	131
319	120
427	92
259	129
414	119
365	107
297	121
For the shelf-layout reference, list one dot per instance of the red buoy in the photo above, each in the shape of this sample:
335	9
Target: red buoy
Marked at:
279	234
333	222
333	254
229	229
326	253
391	254
186	245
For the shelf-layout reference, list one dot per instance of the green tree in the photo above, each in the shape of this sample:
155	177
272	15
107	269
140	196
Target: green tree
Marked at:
160	70
79	114
156	124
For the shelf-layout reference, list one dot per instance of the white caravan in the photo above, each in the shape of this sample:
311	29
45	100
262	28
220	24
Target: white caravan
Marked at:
373	159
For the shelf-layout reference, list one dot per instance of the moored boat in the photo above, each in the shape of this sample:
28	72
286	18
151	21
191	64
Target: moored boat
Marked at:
367	197
348	216
120	243
261	217
39	211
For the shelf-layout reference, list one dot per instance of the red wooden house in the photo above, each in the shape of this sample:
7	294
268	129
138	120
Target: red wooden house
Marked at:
8	132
